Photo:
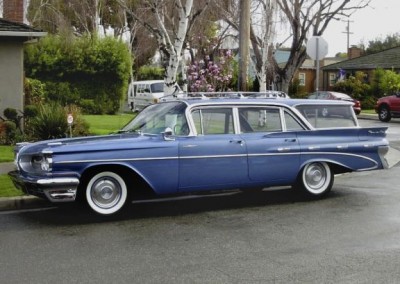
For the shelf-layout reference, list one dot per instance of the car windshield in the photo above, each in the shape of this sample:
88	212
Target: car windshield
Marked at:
157	87
329	116
156	118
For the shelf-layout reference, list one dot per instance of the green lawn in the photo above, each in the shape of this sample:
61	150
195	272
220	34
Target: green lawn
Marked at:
6	153
7	188
368	111
105	124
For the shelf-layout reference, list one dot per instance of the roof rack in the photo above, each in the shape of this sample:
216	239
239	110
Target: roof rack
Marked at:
231	95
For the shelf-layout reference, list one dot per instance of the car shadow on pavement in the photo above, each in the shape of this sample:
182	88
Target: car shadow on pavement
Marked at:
76	214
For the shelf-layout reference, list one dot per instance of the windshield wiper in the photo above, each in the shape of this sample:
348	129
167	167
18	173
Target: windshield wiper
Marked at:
137	131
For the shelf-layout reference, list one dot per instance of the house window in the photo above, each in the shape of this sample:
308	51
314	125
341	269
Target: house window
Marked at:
332	79
302	79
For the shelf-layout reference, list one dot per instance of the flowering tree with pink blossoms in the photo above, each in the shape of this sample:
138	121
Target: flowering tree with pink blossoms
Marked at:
208	75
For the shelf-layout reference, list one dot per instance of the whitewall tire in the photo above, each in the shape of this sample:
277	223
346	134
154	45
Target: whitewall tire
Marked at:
106	193
315	179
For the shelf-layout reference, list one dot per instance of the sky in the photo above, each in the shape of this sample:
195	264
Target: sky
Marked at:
376	21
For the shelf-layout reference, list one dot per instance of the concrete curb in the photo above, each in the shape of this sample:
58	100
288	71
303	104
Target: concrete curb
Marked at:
22	203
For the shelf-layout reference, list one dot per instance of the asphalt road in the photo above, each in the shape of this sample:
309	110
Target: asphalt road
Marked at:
352	236
260	237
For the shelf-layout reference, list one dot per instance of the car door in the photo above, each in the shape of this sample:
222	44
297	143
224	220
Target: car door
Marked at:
273	149
216	157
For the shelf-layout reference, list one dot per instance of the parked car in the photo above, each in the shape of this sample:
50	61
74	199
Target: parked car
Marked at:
189	145
388	107
327	95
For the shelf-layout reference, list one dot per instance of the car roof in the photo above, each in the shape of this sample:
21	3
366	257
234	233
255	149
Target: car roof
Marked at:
258	101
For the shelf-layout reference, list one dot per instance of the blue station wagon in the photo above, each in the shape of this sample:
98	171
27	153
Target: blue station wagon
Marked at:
189	145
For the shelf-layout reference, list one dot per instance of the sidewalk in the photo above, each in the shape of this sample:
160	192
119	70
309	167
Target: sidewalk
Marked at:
6	167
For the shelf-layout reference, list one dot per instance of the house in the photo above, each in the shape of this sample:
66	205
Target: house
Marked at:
388	59
13	35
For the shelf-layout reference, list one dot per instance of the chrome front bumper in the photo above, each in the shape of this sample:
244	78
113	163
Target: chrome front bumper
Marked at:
62	189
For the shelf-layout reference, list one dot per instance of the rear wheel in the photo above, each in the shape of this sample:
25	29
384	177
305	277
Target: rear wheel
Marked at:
384	114
315	179
106	193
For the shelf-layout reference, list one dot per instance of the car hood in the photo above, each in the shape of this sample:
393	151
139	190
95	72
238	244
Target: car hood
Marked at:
91	143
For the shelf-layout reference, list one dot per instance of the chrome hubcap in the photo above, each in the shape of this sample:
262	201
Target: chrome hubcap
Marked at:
106	192
315	176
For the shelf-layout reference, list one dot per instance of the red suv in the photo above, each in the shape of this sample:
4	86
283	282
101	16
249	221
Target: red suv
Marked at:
388	107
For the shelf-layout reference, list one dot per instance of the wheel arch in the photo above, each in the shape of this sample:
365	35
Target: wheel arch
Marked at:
137	185
336	167
384	104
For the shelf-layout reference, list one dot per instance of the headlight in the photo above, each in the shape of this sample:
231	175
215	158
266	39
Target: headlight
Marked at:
37	163
42	163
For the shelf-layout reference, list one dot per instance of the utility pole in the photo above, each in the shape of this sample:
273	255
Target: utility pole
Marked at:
348	34
244	41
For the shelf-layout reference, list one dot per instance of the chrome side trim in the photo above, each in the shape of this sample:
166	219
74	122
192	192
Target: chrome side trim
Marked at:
215	156
117	160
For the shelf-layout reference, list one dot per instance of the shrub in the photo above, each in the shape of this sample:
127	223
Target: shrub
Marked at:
84	68
90	107
296	90
63	93
50	122
150	73
384	82
8	132
79	127
30	111
34	91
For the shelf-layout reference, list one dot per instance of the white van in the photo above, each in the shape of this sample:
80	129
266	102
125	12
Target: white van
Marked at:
144	93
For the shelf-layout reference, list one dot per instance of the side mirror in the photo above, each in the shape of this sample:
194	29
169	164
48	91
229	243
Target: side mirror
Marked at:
167	134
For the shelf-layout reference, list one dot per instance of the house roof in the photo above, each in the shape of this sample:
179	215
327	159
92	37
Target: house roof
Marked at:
386	59
13	29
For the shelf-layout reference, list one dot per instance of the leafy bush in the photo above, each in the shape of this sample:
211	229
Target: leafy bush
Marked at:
79	127
84	68
8	132
11	114
34	91
296	90
51	122
355	86
90	107
30	111
150	73
63	93
384	82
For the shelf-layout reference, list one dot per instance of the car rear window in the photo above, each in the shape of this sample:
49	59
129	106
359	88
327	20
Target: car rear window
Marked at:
329	116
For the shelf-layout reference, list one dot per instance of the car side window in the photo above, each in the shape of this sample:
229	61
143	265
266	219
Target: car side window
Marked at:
291	123
259	120
213	121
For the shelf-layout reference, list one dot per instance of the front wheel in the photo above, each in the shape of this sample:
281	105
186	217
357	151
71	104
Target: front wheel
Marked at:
384	114
106	193
315	179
